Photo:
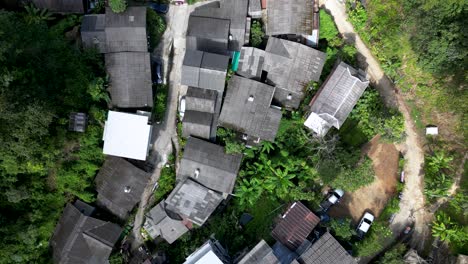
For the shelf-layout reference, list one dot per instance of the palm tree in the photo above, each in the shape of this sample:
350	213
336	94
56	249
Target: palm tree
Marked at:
36	15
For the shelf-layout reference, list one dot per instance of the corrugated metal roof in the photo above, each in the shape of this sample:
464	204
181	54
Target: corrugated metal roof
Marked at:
208	72
326	250
126	31
159	223
290	17
119	185
295	225
260	254
247	109
336	98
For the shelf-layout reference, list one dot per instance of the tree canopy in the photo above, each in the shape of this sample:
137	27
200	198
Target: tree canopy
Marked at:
43	77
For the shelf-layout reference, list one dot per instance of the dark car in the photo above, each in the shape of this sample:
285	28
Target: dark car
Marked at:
157	75
160	8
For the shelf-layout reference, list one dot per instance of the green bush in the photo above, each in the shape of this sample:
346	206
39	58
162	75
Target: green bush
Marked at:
166	181
118	6
394	255
349	178
156	27
160	102
374	240
256	34
342	229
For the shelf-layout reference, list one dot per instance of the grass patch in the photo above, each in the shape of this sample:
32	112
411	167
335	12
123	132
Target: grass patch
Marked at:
416	115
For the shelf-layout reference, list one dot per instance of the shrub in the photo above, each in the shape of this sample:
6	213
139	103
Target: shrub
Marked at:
160	102
156	27
342	228
118	6
166	181
256	34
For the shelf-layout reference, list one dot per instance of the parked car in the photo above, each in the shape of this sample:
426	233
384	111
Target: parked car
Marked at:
332	198
182	107
364	224
160	8
157	74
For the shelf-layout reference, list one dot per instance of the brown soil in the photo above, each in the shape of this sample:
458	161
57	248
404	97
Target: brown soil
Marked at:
372	198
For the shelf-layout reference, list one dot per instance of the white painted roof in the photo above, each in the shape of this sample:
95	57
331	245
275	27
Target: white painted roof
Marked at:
126	135
432	130
203	255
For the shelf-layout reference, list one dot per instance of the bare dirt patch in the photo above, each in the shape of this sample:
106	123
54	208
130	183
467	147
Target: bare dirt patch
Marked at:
373	197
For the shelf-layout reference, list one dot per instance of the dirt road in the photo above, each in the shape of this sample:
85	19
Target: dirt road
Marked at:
412	203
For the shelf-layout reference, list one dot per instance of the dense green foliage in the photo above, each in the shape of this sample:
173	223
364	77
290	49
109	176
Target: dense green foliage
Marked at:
118	6
227	137
341	228
374	240
394	255
155	26
160	101
449	231
256	34
166	181
42	79
438	178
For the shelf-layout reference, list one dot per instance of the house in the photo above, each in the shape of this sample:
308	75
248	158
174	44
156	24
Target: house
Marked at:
78	122
63	6
119	185
93	34
260	254
289	17
255	9
208	34
251	63
126	31
295	226
116	32
230	15
290	66
193	201
336	98
326	250
204	70
201	113
79	238
209	165
127	135
212	252
130	79
247	109
164	223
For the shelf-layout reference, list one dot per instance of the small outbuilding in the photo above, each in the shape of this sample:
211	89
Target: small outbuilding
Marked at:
78	122
127	135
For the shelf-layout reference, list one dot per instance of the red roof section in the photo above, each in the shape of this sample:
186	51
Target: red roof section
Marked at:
295	226
264	4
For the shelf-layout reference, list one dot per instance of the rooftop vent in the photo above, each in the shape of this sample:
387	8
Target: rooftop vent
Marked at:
289	97
251	98
197	172
127	189
131	18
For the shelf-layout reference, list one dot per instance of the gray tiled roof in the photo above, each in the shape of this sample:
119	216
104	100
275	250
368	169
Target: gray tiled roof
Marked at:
235	12
260	254
209	165
326	250
204	70
208	34
255	9
339	94
126	31
130	79
251	62
290	17
81	239
115	175
291	66
61	6
193	201
255	118
93	31
202	100
197	124
159	223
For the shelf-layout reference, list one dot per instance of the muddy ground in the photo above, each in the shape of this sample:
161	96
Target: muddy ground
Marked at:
373	197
